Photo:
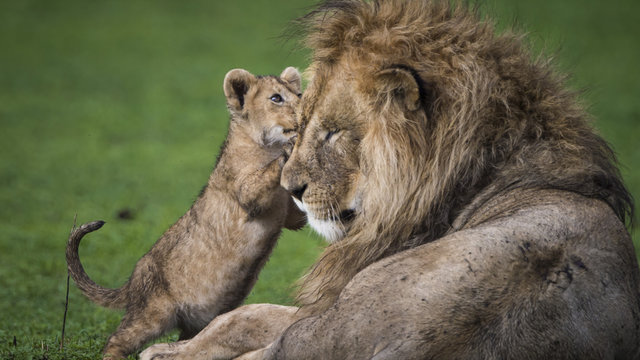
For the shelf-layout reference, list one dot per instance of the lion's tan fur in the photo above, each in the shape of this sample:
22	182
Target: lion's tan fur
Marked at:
490	115
229	335
208	261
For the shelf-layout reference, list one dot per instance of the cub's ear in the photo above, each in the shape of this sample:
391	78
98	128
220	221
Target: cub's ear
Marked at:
236	85
400	85
292	77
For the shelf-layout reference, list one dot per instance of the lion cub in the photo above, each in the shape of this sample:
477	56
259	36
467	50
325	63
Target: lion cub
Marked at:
209	260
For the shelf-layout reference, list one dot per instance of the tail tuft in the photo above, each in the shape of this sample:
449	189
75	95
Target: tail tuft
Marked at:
92	226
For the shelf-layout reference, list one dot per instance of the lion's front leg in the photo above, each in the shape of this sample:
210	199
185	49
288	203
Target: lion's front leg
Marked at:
254	355
229	335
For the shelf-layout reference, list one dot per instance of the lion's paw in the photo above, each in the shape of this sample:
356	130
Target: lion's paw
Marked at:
163	351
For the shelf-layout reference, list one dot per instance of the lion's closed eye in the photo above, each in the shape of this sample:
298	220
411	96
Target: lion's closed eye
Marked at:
328	135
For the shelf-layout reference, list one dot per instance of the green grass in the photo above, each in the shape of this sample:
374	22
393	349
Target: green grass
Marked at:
118	105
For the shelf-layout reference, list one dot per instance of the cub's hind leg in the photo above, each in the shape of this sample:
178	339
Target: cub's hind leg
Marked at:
139	326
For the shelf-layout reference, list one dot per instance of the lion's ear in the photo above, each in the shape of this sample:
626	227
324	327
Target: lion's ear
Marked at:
236	85
399	84
292	77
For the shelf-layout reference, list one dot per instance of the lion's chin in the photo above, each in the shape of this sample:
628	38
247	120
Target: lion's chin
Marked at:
331	231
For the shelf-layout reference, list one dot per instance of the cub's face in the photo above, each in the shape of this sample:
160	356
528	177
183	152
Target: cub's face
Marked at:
264	105
323	170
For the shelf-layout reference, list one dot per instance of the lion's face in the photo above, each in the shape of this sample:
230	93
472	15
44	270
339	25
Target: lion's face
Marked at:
351	127
324	168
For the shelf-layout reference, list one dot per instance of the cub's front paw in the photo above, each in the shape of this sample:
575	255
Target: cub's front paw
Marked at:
287	149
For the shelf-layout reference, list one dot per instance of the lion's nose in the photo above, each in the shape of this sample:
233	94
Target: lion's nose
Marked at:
299	191
293	179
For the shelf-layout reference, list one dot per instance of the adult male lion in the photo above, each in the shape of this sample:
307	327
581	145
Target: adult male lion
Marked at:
472	210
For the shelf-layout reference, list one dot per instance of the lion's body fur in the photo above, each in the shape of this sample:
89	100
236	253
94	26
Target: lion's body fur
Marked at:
493	120
208	261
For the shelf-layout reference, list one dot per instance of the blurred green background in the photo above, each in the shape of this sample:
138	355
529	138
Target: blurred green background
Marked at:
108	106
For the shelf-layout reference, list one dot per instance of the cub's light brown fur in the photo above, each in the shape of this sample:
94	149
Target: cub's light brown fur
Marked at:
207	262
474	213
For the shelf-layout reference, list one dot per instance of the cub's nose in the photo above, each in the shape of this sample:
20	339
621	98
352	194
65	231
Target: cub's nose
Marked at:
299	191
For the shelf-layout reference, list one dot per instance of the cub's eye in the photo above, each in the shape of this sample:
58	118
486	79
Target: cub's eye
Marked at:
276	98
330	134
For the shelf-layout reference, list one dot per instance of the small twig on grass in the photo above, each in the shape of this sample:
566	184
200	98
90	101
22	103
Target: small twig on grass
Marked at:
66	301
64	318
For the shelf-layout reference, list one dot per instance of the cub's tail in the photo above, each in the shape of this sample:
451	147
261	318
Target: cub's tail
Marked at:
111	298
